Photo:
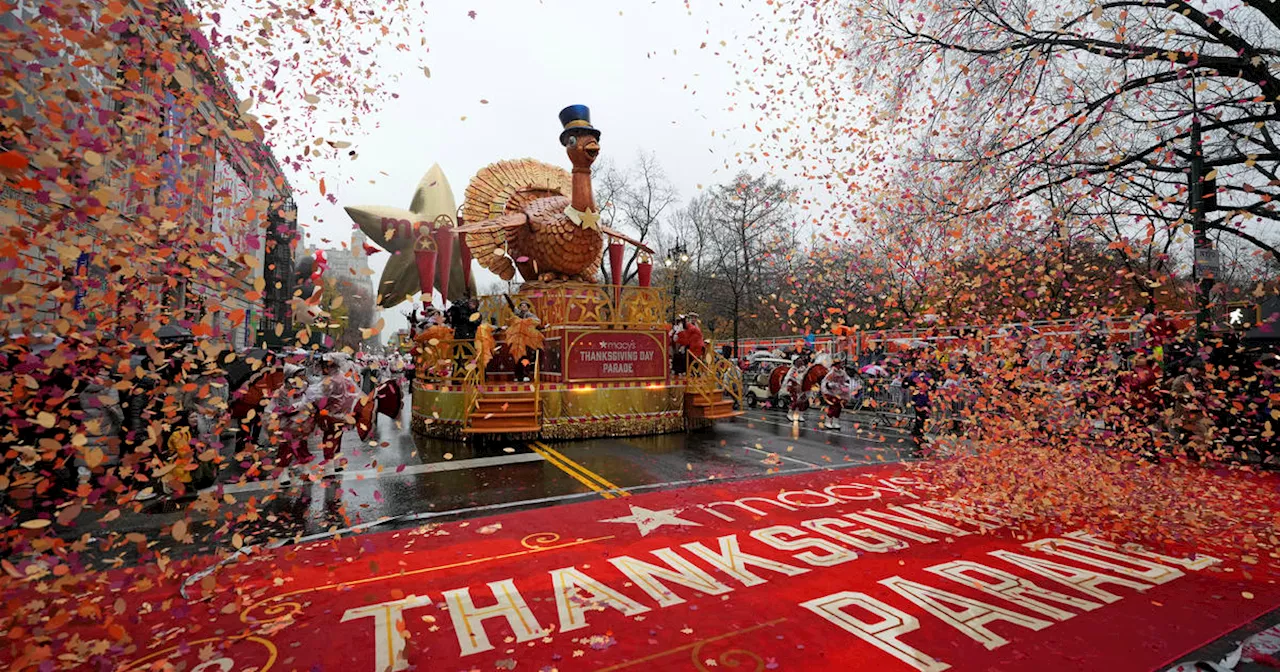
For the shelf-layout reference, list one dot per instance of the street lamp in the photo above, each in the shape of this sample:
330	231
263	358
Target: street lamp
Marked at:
677	256
1205	262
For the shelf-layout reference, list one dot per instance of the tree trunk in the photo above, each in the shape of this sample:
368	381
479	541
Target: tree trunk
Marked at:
735	326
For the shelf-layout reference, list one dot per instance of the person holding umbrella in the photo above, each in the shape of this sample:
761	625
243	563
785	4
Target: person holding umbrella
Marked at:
253	378
920	383
290	421
334	398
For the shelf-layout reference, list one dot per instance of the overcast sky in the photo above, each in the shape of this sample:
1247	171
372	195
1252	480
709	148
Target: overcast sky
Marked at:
640	68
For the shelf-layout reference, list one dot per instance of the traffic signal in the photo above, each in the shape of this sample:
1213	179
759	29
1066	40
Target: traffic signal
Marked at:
1241	315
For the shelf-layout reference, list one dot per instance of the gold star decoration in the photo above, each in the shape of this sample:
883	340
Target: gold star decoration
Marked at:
432	206
587	220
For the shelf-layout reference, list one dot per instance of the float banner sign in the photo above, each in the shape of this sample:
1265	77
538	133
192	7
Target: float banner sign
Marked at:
615	355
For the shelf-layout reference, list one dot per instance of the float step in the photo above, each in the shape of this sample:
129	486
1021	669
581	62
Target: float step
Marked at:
492	405
490	415
719	412
695	399
504	429
700	408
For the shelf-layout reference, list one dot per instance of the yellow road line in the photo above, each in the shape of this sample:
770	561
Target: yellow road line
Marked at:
575	475
590	474
579	472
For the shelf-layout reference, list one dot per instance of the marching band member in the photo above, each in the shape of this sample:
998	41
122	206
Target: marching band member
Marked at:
290	420
794	385
835	391
334	398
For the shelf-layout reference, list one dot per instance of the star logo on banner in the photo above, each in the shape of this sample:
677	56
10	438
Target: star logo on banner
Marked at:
648	520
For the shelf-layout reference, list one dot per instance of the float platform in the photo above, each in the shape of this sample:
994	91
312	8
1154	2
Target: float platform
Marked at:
605	369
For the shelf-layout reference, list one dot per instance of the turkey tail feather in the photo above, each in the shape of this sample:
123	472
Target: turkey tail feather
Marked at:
501	188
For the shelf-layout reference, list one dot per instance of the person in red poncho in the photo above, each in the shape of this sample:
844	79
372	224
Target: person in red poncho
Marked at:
1141	389
679	357
691	337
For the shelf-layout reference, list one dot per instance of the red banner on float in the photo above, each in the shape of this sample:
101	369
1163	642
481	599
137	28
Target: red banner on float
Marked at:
615	355
843	569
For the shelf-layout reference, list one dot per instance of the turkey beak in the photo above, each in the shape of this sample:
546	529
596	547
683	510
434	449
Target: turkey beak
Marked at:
591	148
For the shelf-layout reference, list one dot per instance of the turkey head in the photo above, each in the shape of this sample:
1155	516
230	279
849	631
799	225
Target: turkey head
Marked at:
583	150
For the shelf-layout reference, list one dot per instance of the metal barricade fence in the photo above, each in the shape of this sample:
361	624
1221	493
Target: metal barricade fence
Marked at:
888	401
885	398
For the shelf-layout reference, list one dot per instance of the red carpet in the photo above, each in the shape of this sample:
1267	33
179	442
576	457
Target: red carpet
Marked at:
840	570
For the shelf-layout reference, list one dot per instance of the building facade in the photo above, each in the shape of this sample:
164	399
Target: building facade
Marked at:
149	196
347	274
351	263
276	329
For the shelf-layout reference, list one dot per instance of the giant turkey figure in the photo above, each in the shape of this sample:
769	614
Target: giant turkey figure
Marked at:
533	217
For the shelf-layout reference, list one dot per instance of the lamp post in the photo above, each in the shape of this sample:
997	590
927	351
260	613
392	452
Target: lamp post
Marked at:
676	257
1201	194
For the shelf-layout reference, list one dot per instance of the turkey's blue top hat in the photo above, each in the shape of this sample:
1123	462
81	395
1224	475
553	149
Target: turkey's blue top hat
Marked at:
576	119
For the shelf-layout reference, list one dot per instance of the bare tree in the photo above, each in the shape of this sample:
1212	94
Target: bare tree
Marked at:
690	228
635	200
1246	272
608	183
830	281
1098	97
748	221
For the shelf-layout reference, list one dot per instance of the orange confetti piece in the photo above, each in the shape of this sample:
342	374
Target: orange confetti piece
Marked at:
12	161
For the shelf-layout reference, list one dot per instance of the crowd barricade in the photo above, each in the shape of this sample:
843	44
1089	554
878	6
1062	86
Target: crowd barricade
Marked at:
884	398
887	401
1118	329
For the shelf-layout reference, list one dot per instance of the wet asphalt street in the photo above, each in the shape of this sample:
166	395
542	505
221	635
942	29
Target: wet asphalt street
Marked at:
397	475
396	479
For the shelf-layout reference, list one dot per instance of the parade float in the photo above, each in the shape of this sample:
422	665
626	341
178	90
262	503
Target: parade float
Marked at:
561	355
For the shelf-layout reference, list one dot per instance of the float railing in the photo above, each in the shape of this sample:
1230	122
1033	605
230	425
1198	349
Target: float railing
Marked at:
728	375
700	379
579	303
